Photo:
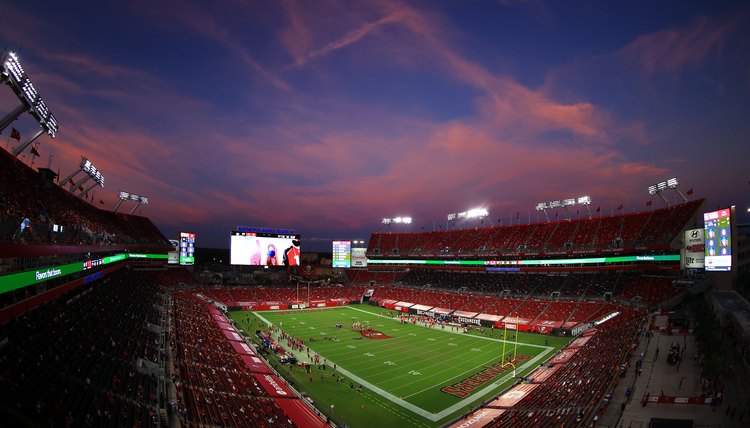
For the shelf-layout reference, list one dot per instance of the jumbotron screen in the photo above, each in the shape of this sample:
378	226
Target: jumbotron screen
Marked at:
264	249
342	254
718	243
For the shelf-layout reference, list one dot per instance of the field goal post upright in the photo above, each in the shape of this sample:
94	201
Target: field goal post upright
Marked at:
515	348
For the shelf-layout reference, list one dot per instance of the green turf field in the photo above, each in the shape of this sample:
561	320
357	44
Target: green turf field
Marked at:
402	376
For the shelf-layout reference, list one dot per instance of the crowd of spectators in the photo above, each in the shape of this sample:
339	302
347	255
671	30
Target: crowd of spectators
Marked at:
653	230
31	199
646	288
74	361
287	293
214	388
574	392
172	277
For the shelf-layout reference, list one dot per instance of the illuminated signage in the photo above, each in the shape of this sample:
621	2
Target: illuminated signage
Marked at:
718	240
342	254
187	248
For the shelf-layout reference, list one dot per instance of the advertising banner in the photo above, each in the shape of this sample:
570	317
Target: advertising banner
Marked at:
694	250
359	257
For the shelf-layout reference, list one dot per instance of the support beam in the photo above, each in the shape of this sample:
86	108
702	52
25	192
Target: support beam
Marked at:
28	142
666	202
83	194
135	207
68	178
10	117
73	186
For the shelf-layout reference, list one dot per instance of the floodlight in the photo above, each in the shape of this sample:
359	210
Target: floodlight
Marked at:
584	200
144	200
397	220
555	204
672	183
541	206
567	202
652	190
14	67
662	186
31	101
477	212
124	195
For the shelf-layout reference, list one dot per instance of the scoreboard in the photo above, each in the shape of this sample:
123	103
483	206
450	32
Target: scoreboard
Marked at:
342	254
187	248
718	240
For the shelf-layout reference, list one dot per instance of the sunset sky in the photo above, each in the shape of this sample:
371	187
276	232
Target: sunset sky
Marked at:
326	116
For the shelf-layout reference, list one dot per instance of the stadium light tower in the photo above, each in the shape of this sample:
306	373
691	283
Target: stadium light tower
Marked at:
469	214
14	75
91	173
396	220
658	188
564	204
126	196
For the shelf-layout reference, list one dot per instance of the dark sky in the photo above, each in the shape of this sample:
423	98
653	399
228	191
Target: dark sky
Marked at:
326	116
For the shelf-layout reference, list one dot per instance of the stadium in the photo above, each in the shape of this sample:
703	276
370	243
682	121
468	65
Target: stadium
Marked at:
573	317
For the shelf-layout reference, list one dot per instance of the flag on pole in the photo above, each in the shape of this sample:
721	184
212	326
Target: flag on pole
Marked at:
648	203
620	207
34	151
598	209
690	191
15	134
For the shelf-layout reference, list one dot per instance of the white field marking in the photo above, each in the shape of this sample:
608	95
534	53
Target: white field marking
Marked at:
351	346
301	322
465	357
434	417
453	344
368	354
389	363
431	339
311	328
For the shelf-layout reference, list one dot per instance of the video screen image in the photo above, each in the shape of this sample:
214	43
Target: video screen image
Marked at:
264	249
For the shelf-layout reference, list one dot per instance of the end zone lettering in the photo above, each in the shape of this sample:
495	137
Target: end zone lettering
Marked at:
464	388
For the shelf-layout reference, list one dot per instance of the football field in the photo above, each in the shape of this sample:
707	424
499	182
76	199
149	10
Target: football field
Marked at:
426	376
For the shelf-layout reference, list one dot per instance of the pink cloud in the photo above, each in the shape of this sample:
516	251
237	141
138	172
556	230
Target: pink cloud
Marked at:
672	49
